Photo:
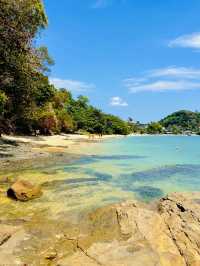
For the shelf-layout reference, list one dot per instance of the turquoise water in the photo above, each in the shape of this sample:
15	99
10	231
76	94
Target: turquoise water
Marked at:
145	168
114	170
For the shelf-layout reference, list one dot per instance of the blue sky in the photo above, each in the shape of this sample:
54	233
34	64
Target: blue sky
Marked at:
137	58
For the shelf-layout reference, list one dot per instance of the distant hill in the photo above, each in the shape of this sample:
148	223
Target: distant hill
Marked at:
182	121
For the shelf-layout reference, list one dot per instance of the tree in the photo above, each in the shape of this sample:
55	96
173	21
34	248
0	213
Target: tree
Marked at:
83	101
184	120
115	125
45	59
47	119
154	128
28	102
62	102
175	130
20	63
45	92
3	100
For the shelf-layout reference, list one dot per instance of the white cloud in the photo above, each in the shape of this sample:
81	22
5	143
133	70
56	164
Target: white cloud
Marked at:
72	85
187	41
165	79
176	72
162	85
117	101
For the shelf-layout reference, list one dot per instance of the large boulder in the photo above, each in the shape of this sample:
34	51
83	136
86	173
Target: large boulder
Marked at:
24	191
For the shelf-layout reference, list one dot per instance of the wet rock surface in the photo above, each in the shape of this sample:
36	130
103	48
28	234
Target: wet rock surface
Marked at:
16	155
164	233
23	191
10	238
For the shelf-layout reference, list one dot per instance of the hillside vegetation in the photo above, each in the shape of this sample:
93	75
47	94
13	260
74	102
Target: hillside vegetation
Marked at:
182	121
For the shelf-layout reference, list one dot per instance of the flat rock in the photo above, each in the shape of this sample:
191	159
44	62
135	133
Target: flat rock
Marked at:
10	239
132	234
165	233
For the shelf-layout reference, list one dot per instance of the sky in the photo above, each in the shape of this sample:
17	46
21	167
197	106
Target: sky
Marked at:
132	58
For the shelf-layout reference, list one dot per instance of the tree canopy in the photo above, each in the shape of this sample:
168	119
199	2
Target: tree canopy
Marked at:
154	128
28	102
182	121
20	61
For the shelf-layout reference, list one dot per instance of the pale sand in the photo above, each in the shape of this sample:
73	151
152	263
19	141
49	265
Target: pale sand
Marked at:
54	141
59	143
73	143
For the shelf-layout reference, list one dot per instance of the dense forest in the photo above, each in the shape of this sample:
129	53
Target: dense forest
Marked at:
182	121
28	102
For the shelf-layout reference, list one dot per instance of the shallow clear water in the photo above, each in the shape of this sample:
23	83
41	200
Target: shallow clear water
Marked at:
145	168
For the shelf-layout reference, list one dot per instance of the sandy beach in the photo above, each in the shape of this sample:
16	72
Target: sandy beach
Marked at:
63	140
17	152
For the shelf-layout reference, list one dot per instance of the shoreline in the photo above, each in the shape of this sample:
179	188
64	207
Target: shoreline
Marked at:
114	234
164	232
44	149
19	152
31	152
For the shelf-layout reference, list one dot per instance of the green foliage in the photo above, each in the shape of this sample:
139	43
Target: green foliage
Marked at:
44	92
65	121
62	99
135	127
175	129
47	119
154	128
182	121
3	100
20	21
28	102
44	58
93	120
115	125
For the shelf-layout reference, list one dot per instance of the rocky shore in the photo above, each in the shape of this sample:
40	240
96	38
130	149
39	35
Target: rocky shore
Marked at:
163	233
18	153
132	233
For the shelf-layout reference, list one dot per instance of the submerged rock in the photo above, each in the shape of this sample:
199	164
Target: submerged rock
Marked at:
24	191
